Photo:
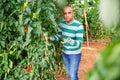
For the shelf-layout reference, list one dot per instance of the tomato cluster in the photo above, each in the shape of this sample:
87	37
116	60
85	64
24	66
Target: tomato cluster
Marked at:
28	69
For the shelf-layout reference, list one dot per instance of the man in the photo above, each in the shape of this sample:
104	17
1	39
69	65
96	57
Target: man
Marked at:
71	31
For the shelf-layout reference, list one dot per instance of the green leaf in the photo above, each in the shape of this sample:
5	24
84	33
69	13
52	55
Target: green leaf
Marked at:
28	10
10	64
1	26
2	43
20	19
27	20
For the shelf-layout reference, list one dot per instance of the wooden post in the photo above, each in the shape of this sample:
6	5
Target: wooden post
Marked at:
86	26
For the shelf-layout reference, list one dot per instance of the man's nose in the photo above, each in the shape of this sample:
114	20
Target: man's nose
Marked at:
67	14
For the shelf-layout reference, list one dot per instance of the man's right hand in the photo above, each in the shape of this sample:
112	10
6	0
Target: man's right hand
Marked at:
50	38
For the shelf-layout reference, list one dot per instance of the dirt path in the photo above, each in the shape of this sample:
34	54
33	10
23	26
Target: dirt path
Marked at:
89	55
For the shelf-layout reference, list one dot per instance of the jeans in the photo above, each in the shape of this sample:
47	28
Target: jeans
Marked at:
71	62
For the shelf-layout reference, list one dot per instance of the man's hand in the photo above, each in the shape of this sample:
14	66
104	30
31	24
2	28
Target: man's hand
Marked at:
50	38
68	40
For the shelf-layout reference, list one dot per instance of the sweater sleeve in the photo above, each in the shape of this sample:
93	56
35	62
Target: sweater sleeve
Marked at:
57	36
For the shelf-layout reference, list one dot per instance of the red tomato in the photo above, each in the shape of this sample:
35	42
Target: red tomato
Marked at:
27	69
25	28
30	66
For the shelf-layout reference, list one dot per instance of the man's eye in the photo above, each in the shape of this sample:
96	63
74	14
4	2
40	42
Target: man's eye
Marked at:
65	13
69	12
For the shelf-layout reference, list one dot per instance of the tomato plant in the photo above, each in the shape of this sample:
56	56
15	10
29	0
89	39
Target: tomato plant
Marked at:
24	48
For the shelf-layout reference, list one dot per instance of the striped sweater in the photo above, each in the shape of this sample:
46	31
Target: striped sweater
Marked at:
74	31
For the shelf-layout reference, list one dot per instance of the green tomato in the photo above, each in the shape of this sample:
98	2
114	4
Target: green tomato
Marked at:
11	52
35	15
25	5
1	54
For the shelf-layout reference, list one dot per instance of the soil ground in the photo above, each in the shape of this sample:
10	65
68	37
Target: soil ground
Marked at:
89	56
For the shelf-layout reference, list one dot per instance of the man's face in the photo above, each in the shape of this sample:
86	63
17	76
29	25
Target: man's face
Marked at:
68	14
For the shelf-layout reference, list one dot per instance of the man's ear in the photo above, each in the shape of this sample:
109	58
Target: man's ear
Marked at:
73	13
